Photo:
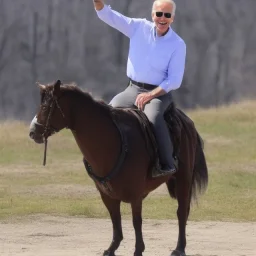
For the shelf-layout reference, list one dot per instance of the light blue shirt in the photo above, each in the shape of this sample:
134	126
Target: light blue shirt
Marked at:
152	59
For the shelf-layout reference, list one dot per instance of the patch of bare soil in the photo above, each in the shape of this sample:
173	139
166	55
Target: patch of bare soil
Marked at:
42	235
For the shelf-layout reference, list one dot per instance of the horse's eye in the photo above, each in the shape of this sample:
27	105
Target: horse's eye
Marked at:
44	108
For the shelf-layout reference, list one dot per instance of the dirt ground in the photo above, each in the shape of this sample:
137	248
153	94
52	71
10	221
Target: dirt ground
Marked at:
42	235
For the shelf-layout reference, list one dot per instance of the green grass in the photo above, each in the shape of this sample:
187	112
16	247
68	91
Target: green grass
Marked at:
17	148
62	187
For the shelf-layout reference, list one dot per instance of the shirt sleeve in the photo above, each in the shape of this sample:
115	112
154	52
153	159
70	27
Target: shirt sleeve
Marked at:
176	68
124	24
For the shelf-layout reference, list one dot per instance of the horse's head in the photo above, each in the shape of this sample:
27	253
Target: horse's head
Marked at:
51	116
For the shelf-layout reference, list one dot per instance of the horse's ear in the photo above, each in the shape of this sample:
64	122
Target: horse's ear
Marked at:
56	88
41	86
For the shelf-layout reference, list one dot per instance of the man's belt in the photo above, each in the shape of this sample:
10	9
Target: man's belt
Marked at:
144	85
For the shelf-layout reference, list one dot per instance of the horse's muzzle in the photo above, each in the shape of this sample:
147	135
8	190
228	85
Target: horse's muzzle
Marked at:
38	138
36	131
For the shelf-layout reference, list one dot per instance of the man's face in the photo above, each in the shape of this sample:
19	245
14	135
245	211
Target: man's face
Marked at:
162	23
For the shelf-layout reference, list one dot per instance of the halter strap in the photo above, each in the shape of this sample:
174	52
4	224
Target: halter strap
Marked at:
48	128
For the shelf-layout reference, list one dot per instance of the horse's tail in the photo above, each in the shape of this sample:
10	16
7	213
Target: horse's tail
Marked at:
199	176
200	171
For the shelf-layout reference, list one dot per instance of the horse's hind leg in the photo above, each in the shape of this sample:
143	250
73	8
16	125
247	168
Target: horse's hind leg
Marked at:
113	207
137	224
183	193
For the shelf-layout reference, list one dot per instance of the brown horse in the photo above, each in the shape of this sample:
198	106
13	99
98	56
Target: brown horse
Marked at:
119	155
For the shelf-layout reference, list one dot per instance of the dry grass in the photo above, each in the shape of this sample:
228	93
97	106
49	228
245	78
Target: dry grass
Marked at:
63	187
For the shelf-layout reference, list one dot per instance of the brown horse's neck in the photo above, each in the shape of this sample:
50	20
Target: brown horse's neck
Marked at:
95	134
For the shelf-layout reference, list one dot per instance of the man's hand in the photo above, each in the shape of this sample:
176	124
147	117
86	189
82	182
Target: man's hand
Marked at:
142	99
98	4
145	97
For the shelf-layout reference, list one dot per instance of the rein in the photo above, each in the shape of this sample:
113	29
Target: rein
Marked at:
48	129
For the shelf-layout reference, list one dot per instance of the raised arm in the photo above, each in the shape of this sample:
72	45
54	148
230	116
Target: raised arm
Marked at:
124	24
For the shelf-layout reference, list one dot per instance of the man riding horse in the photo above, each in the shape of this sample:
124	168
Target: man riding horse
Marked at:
155	67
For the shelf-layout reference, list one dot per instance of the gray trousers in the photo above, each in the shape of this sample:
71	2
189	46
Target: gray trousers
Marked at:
154	110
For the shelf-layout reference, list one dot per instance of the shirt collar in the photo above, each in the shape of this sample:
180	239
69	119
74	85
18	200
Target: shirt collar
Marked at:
167	35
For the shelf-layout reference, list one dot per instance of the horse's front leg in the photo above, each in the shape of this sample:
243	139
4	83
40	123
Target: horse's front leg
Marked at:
137	224
113	207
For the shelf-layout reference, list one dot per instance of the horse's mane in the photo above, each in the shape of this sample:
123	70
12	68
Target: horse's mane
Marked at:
79	93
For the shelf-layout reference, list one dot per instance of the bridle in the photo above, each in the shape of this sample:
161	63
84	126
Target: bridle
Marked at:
48	129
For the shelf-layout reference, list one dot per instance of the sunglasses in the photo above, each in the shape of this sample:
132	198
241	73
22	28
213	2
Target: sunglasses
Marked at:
166	14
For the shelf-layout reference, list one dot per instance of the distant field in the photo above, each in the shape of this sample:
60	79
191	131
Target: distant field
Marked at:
62	187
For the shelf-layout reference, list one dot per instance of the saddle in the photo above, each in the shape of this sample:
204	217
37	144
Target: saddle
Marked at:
175	120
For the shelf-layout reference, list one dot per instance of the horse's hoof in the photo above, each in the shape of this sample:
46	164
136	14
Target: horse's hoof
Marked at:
178	253
108	253
137	254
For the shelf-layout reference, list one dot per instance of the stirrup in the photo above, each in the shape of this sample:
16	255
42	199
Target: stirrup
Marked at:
160	172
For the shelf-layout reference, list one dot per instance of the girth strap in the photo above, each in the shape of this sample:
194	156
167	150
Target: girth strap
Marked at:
105	180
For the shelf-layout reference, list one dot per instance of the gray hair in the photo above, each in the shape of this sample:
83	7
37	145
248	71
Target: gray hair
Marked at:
165	1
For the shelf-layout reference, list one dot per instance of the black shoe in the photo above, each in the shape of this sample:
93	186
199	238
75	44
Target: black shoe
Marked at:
164	170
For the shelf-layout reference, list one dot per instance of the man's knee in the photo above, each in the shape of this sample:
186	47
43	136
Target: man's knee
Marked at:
119	101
